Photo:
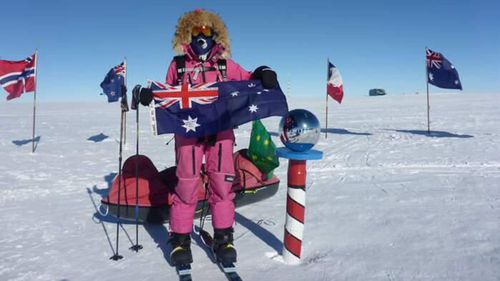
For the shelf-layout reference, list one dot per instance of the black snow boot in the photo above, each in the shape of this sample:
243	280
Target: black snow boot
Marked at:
223	246
181	249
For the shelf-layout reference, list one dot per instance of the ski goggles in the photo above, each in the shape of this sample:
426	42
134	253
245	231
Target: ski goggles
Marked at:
205	30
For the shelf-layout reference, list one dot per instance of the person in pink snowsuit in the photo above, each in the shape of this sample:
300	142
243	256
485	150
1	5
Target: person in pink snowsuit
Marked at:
217	149
202	44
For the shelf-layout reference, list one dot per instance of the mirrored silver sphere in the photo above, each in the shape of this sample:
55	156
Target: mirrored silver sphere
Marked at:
299	130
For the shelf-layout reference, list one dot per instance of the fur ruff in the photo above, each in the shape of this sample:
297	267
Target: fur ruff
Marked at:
195	18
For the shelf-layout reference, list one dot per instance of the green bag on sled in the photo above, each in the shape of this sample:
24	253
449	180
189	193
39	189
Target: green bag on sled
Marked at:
262	150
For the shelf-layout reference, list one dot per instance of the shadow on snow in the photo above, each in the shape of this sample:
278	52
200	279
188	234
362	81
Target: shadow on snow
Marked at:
100	216
343	132
332	131
26	141
160	236
434	134
98	138
98	221
259	231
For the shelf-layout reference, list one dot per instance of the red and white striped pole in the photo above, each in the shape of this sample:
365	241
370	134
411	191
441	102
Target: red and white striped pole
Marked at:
295	211
296	201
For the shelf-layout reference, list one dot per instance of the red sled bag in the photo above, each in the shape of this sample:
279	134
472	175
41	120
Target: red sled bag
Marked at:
248	176
155	189
152	192
250	184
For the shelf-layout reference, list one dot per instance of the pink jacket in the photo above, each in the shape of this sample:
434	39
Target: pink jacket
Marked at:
194	74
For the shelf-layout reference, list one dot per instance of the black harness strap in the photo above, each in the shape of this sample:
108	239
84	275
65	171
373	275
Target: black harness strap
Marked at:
222	66
180	63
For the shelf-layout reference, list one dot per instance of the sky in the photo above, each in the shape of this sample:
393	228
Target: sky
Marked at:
374	44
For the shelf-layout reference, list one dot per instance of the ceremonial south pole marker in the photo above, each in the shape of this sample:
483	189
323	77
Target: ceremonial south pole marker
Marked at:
296	201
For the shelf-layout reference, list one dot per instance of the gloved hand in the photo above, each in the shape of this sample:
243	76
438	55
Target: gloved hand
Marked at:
142	95
136	91
267	76
146	96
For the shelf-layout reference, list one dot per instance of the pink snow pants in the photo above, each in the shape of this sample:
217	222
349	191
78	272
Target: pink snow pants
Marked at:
219	167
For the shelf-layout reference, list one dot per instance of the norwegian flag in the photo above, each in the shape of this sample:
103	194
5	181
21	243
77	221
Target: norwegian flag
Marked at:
334	85
440	72
185	94
18	77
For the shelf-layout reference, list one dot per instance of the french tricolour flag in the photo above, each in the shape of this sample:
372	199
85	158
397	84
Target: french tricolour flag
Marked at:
334	85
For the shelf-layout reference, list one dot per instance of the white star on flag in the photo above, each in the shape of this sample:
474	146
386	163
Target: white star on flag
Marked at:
431	77
190	124
235	94
251	85
253	108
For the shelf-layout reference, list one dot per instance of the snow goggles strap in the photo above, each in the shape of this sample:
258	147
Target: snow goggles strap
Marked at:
205	30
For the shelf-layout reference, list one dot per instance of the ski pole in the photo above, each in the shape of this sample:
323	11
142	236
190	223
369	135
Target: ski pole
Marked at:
136	247
168	142
116	256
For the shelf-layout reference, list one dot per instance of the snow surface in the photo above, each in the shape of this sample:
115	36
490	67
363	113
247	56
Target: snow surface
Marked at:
387	202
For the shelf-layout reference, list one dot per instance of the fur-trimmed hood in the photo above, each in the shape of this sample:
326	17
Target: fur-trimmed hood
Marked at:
200	17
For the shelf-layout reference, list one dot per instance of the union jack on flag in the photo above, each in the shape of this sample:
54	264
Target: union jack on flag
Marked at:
433	59
119	69
18	77
185	94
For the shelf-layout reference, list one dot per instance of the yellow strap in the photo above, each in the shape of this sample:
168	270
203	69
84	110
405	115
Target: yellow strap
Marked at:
178	248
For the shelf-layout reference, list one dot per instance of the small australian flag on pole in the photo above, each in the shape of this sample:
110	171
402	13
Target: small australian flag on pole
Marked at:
208	108
440	72
114	82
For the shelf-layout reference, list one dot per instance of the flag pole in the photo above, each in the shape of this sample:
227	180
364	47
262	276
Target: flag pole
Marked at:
326	109
428	103
123	112
34	102
428	111
124	128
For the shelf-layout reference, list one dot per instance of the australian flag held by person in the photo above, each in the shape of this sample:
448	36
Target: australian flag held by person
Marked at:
440	72
18	77
205	109
113	84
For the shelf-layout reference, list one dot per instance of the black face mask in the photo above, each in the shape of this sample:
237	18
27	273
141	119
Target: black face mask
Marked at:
202	44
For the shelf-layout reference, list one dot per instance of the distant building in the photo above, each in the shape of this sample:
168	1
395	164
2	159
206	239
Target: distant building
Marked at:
377	92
